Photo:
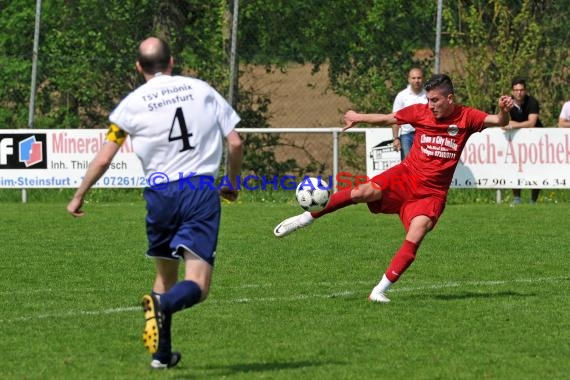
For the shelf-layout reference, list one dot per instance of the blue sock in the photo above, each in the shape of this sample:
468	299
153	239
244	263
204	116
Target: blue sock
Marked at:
181	296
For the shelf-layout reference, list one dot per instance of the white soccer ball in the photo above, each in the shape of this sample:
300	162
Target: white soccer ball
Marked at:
313	194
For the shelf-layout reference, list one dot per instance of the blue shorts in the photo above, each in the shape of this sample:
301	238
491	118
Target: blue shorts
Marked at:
180	217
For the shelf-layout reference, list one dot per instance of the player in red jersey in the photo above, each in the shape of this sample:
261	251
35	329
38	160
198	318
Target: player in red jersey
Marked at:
416	189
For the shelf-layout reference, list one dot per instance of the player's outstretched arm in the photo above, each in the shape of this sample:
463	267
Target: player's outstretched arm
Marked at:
96	169
501	119
352	118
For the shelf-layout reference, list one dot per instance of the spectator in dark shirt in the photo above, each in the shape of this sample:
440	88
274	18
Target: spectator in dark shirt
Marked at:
523	115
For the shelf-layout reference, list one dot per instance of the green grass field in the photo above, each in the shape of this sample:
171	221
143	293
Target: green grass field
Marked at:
487	297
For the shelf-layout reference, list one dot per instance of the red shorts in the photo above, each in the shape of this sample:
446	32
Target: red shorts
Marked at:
402	194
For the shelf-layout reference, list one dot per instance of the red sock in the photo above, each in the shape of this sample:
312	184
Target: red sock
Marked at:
402	260
338	200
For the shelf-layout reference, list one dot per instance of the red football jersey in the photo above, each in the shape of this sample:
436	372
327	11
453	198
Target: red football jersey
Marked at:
438	144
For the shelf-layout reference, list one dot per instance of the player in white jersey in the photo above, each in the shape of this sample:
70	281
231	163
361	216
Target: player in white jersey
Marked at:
176	125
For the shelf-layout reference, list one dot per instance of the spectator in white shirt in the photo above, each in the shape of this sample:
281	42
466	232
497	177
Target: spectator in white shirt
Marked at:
413	94
564	119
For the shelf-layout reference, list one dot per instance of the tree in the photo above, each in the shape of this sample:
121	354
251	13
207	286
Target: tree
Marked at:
368	45
87	52
16	43
83	69
503	39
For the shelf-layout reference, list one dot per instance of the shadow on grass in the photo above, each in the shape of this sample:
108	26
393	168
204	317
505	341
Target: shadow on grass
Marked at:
468	295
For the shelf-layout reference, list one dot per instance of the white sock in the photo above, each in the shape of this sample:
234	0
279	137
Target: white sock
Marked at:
306	218
383	285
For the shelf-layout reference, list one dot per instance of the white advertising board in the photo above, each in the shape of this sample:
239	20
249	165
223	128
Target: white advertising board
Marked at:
494	159
526	158
58	159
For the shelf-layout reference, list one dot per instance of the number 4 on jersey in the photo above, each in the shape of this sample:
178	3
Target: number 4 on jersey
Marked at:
180	122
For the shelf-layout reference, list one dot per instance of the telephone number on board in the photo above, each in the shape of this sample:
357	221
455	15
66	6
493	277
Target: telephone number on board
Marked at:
122	181
497	182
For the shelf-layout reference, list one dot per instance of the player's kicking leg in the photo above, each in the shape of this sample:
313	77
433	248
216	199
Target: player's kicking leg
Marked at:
293	223
338	200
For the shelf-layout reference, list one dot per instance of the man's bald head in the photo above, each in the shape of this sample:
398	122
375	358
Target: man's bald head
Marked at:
154	56
416	79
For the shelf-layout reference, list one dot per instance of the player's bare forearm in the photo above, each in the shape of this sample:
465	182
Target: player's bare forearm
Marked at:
235	158
92	175
94	172
234	170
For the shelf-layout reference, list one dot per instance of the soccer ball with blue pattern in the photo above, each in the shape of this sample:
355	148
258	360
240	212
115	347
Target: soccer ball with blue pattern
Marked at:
313	194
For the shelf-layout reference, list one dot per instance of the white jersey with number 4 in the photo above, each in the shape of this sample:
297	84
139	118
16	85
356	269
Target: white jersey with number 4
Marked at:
176	125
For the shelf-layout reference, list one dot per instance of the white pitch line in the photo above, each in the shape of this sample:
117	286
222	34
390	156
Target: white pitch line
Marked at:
298	297
482	283
72	313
